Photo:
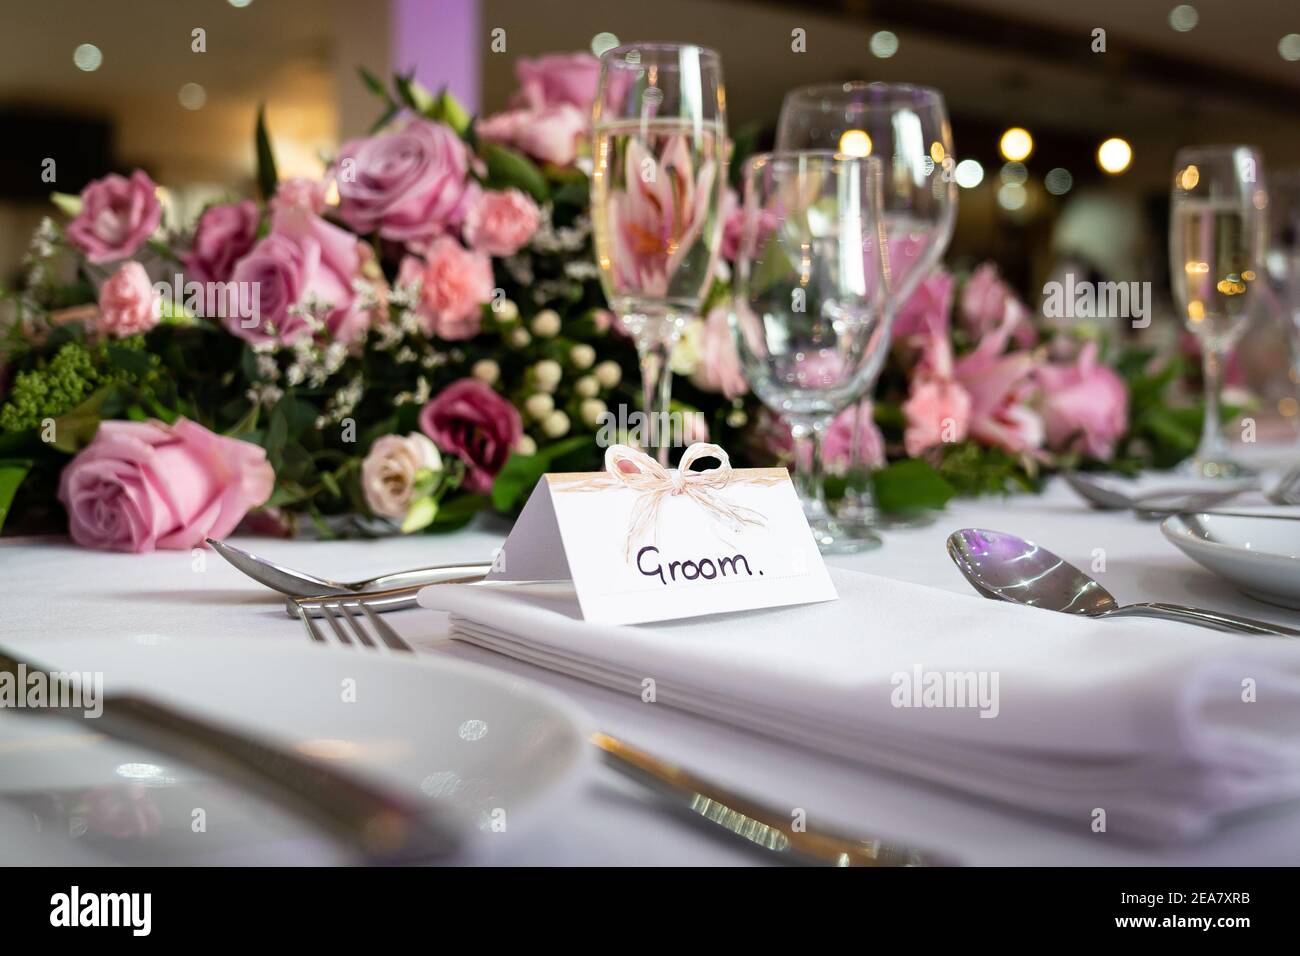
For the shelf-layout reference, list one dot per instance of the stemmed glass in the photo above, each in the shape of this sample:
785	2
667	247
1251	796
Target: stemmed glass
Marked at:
906	128
808	316
1283	258
656	190
1218	224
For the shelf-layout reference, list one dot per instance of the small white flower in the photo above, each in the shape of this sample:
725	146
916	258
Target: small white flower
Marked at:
547	374
556	424
539	405
592	410
546	324
608	374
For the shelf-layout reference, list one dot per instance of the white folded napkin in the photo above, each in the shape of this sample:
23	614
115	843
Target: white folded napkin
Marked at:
1164	727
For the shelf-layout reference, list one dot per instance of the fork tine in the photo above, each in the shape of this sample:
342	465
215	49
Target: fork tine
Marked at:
347	616
312	630
328	612
394	640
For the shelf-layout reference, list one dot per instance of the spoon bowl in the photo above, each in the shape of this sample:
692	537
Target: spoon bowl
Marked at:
1003	567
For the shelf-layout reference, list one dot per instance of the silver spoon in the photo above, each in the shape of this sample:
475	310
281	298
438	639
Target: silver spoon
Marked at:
301	584
1006	568
1152	504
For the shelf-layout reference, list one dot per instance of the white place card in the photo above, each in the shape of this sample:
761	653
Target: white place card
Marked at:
646	543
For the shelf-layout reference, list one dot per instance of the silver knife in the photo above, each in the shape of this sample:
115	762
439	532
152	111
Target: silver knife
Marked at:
381	827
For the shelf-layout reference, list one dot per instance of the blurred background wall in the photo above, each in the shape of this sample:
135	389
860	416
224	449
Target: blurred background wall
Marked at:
101	86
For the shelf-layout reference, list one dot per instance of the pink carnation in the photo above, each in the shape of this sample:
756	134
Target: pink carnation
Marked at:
454	283
128	302
501	223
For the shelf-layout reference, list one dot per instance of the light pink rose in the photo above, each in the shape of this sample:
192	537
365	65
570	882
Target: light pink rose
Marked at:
409	185
1085	405
926	311
719	366
657	221
388	473
117	216
1001	387
304	263
557	78
223	237
550	133
987	303
454	283
470	420
300	192
145	485
501	223
128	302
936	410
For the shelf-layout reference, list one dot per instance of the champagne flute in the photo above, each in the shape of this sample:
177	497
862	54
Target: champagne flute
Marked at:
906	127
656	190
1283	259
1218	224
808	315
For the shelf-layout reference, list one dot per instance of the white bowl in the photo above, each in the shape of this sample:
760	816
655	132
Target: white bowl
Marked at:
1258	553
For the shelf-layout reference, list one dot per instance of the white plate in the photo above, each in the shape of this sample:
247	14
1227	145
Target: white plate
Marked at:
1259	554
488	748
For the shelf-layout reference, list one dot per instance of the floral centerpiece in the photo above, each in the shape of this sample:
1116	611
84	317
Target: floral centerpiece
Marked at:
419	334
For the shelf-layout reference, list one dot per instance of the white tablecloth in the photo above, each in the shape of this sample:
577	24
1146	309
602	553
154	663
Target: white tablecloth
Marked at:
51	588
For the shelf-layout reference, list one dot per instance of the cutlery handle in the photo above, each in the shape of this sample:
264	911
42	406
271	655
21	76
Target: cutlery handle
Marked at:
1218	620
391	599
381	826
764	827
422	576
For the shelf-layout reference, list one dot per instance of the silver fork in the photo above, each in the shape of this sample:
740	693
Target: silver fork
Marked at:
722	811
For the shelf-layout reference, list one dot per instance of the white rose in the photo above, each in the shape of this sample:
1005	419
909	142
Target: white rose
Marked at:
389	470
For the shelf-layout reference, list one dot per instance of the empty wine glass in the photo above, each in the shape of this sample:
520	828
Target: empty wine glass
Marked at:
659	173
1218	224
808	316
1283	258
905	127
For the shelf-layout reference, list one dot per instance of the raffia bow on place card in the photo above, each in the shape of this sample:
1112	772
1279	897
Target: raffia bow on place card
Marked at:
630	468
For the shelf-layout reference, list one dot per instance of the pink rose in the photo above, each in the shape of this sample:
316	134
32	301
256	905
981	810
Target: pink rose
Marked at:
1085	405
145	485
557	78
128	302
927	309
468	419
300	192
223	237
987	302
719	367
501	223
304	264
409	185
117	216
936	411
454	284
550	133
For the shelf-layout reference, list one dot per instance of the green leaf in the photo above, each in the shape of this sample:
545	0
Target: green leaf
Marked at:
75	429
454	513
12	473
267	179
385	119
506	168
447	109
375	85
420	515
909	484
67	203
414	94
521	472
